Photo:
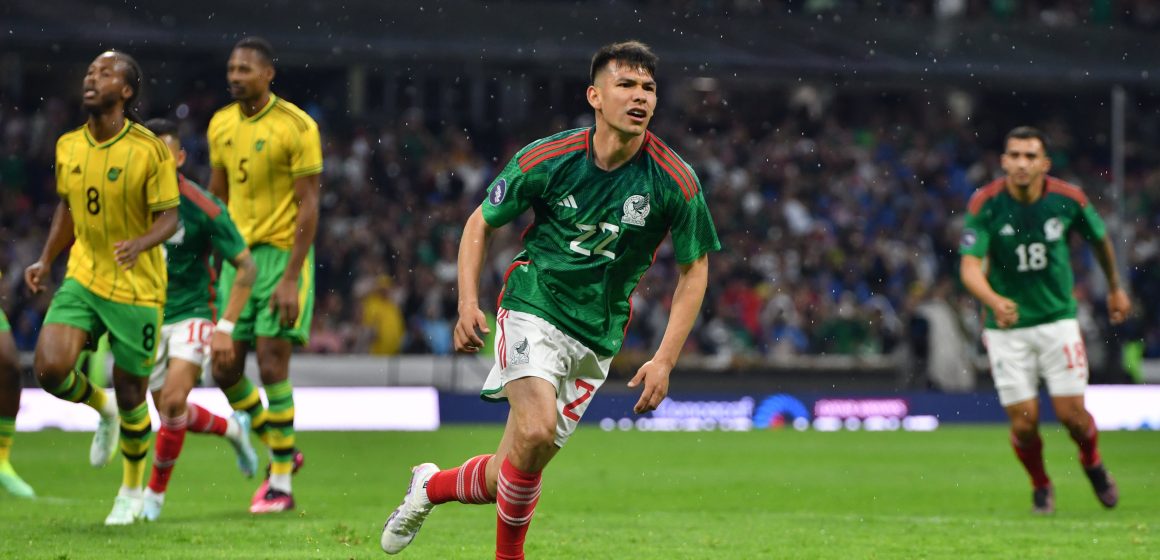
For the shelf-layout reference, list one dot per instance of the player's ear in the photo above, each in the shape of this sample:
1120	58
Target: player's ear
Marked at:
594	97
269	72
179	158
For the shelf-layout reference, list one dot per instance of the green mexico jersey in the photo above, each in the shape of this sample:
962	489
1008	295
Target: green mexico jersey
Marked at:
204	226
1026	247
594	232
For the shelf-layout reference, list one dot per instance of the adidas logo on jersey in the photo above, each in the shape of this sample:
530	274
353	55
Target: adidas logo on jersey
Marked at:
568	202
1007	230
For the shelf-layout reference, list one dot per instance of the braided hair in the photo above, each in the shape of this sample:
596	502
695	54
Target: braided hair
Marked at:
132	75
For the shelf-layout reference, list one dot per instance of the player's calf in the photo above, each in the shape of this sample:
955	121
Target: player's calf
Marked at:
465	484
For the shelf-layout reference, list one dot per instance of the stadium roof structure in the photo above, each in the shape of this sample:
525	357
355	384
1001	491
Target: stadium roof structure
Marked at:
547	33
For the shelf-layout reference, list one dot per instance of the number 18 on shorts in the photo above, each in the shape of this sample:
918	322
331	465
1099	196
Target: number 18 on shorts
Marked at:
1053	351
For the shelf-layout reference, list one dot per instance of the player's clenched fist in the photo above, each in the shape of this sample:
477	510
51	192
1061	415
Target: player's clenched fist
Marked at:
34	275
1119	305
471	323
1006	312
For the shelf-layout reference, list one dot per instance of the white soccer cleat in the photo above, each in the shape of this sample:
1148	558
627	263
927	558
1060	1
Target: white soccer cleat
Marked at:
105	441
126	510
404	523
153	504
247	457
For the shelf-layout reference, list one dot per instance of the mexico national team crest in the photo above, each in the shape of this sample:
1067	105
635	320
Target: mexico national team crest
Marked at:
519	352
498	191
1053	229
636	209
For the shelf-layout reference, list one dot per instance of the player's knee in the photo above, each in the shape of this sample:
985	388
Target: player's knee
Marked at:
50	370
227	374
1024	428
273	372
172	404
1075	420
537	437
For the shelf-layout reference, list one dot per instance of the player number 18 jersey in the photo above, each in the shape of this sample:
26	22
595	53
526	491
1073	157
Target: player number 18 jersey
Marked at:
1026	247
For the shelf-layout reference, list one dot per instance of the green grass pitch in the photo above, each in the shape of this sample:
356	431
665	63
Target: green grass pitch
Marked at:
955	493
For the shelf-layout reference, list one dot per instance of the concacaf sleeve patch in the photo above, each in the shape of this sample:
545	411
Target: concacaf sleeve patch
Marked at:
498	192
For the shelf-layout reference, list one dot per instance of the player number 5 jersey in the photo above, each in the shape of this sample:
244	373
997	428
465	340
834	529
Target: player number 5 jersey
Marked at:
262	155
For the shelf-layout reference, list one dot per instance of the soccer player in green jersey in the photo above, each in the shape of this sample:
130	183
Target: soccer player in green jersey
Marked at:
1019	225
9	405
189	335
266	156
118	188
603	200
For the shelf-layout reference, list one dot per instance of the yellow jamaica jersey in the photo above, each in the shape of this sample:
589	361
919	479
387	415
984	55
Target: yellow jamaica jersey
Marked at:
262	156
112	189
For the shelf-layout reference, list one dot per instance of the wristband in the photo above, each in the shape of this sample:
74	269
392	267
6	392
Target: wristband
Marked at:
224	326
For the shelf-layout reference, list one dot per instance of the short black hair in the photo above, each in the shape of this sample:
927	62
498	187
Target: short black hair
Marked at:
258	45
1027	133
633	53
162	127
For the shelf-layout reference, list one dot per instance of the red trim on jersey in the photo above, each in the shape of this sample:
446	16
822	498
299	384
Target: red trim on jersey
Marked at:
1069	190
550	146
660	159
567	148
503	287
197	197
675	161
983	194
502	356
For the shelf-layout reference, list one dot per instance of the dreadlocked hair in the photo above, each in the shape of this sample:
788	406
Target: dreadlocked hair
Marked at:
133	76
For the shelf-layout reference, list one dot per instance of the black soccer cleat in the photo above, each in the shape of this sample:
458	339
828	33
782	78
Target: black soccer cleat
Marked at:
1104	485
1043	500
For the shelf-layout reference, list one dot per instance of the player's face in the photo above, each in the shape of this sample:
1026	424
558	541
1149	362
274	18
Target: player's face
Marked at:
624	97
1025	161
175	148
249	75
104	85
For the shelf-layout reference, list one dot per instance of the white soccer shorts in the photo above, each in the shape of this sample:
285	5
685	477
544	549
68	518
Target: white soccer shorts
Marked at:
528	346
187	340
1053	351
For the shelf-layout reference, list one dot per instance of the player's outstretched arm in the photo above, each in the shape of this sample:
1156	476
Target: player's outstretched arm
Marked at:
687	299
60	236
222	343
284	302
164	226
472	250
1119	304
971	273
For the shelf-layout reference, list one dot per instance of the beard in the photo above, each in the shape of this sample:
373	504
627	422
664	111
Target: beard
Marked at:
101	105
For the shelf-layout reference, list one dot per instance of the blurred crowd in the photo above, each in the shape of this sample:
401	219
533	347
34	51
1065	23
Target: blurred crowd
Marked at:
840	220
1143	14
